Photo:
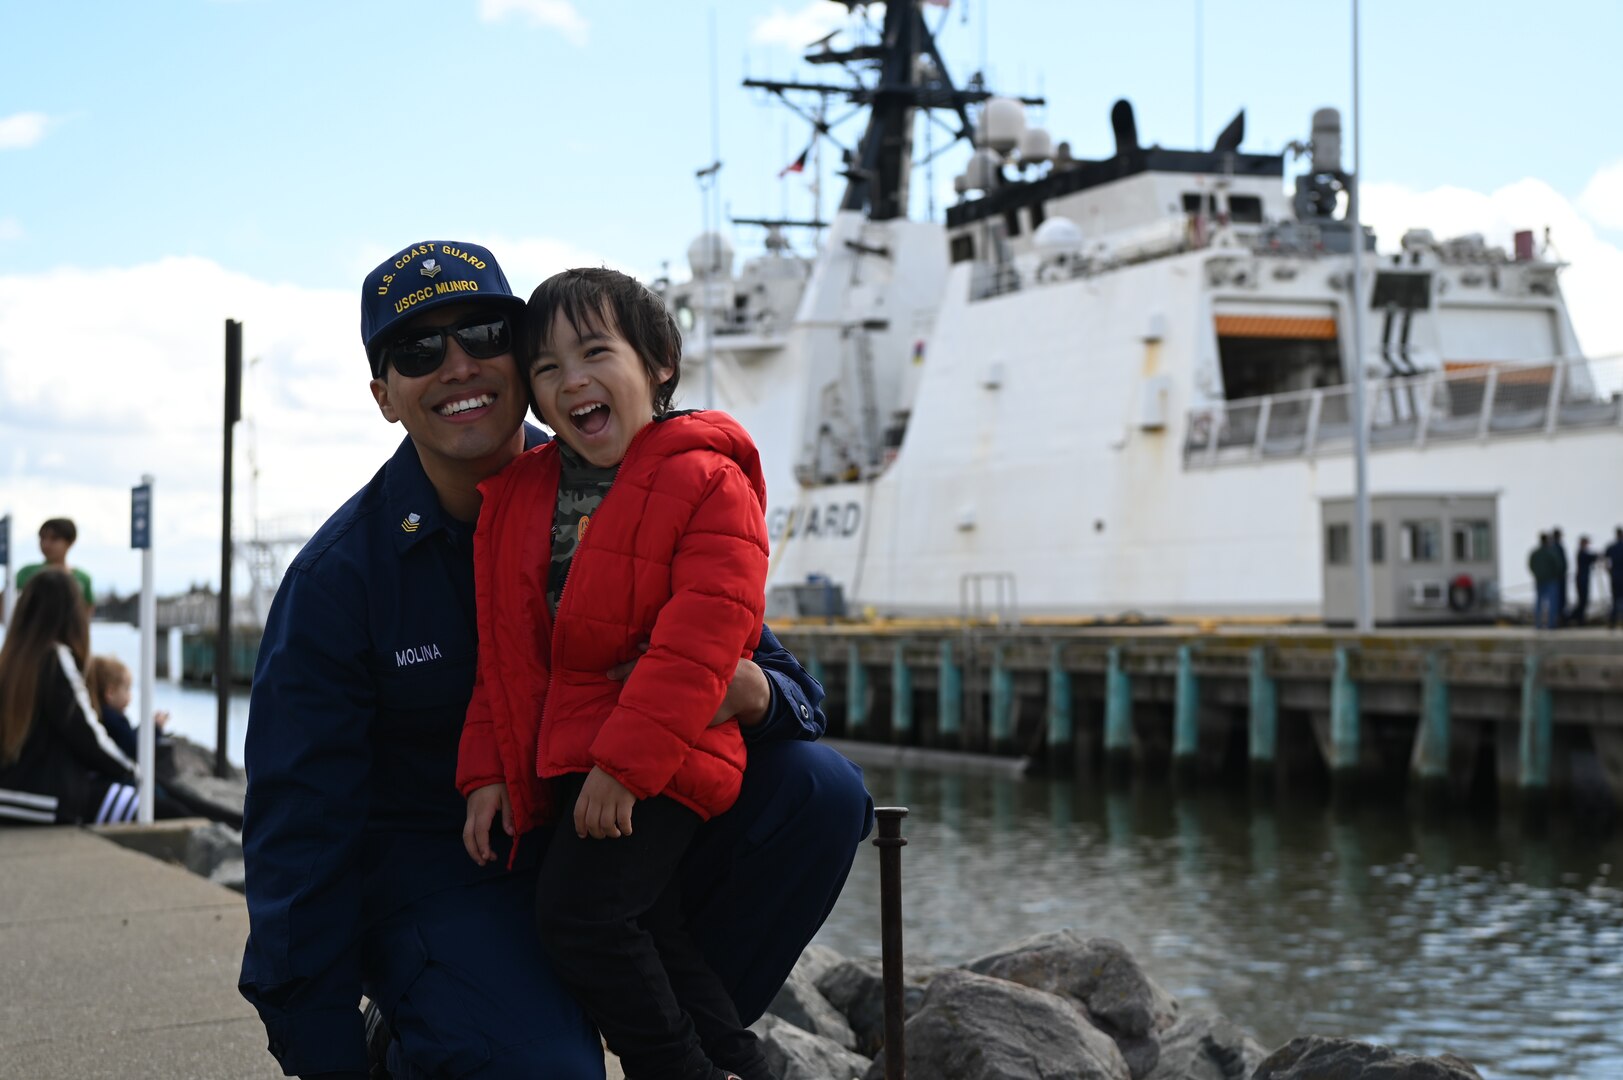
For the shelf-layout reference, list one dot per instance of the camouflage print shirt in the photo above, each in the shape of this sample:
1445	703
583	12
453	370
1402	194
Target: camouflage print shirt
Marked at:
581	487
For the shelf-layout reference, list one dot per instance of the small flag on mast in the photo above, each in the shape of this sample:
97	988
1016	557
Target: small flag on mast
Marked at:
797	165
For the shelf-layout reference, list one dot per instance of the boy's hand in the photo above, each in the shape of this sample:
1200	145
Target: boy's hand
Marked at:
748	696
603	810
482	807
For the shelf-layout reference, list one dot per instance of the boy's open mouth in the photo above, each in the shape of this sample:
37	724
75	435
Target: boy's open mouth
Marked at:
591	418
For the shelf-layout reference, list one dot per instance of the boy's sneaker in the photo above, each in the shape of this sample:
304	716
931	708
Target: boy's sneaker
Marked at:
378	1039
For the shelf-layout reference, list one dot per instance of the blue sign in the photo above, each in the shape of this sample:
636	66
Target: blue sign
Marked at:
5	540
141	517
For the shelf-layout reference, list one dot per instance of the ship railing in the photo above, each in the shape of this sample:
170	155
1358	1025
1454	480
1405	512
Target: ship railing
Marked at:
1464	402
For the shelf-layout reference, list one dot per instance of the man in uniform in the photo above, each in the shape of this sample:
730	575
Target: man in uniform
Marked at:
357	879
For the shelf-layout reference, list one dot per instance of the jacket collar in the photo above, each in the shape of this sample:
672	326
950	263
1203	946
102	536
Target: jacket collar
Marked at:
411	507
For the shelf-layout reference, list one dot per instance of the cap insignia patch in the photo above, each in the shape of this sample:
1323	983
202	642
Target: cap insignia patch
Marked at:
431	268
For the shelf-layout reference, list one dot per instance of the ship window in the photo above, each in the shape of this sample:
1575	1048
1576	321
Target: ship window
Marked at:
1268	354
1011	223
1194	200
1338	544
1245	209
962	248
1420	541
1473	541
1377	542
1401	289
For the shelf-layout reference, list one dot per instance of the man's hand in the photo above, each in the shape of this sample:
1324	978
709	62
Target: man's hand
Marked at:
748	696
603	810
482	807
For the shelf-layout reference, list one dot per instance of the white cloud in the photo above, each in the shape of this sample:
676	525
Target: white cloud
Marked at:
1589	283
1602	198
19	131
559	15
798	29
10	229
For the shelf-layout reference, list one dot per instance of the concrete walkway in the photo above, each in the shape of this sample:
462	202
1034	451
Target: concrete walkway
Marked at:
115	964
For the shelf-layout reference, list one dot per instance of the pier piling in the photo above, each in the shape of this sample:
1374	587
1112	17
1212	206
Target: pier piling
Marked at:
1185	714
1061	740
949	699
1002	693
1535	735
856	693
901	696
1345	744
1118	713
1264	718
1433	743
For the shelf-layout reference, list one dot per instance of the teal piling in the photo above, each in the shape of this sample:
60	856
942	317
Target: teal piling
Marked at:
814	668
1538	709
901	696
1434	739
856	693
1118	709
950	700
1344	723
1185	713
1061	739
1002	705
1264	720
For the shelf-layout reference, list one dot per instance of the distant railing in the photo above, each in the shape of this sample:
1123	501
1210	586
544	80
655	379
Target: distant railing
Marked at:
1475	401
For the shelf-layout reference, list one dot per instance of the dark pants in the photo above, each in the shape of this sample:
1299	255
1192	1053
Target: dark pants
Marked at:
609	914
460	974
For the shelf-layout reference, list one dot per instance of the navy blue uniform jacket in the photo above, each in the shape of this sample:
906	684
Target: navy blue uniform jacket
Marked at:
365	671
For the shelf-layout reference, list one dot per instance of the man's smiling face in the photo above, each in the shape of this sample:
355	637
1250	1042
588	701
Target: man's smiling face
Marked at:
463	412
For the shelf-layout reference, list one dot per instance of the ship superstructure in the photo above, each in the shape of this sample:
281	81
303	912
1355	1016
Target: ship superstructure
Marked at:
1122	385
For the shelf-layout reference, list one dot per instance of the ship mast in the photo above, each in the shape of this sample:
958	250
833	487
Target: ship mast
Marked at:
877	173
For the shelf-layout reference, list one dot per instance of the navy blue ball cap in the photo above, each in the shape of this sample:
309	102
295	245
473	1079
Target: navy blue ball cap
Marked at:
426	276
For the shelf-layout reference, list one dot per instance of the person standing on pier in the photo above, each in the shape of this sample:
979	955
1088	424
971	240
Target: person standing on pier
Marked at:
1562	567
1584	565
1546	571
1614	570
357	879
56	536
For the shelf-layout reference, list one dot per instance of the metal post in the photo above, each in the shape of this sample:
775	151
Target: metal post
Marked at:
890	843
856	693
949	698
146	733
1002	704
1060	737
901	695
1360	537
1264	720
11	579
1186	710
222	635
1118	707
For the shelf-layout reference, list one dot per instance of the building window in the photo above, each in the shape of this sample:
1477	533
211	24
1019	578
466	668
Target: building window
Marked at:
1420	542
1473	541
1338	544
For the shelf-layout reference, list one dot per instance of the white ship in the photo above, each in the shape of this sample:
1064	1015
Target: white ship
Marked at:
1102	387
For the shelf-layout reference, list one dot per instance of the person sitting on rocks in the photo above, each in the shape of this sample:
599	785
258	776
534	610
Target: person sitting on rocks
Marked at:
114	688
58	764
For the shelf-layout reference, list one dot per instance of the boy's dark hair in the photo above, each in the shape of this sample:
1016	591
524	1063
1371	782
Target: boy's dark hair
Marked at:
62	528
582	296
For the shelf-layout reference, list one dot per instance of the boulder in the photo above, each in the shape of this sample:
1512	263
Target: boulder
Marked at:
1206	1047
795	1054
1313	1057
856	988
801	1004
1101	977
974	1027
211	846
818	960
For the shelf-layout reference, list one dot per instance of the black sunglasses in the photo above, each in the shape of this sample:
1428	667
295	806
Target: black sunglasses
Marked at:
421	349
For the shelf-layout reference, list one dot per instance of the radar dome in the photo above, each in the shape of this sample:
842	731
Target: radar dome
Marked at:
1057	236
983	173
1003	121
1036	146
710	255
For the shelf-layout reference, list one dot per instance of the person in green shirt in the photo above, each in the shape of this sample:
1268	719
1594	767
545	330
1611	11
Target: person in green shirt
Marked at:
56	536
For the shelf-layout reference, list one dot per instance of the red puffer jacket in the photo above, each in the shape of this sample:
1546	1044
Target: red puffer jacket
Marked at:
676	556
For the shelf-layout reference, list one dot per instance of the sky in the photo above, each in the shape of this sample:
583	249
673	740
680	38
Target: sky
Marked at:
168	165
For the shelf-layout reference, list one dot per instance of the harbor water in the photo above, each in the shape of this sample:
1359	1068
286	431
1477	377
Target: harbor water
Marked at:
1475	934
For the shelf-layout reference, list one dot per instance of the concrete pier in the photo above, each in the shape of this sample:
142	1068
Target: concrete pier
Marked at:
1453	711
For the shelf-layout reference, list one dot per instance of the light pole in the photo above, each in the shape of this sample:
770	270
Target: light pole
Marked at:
1360	537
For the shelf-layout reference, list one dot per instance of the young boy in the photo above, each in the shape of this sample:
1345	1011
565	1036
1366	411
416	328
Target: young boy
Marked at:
657	527
56	536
